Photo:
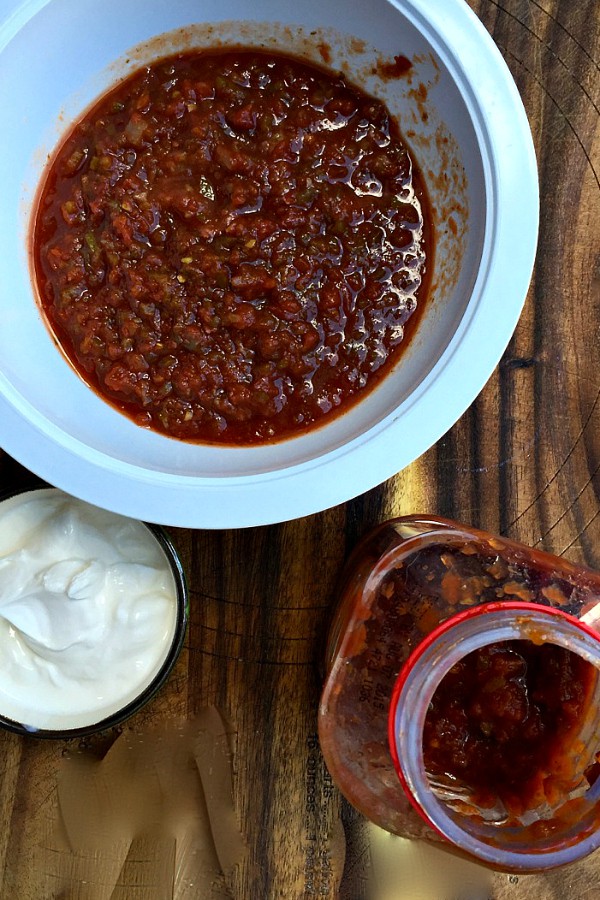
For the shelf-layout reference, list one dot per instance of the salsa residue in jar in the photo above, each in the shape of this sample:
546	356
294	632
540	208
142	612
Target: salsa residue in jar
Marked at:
501	718
231	246
404	580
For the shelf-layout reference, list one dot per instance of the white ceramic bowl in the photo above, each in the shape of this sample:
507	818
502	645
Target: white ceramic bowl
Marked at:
472	140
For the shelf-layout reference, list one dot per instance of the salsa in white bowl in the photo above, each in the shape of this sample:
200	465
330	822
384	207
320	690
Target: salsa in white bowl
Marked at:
438	72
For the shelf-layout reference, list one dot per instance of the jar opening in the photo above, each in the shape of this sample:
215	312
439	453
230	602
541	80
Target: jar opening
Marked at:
529	676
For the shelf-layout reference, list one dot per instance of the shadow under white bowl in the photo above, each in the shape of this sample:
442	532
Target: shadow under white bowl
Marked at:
472	141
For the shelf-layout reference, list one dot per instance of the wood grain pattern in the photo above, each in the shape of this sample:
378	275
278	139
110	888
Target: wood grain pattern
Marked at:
524	461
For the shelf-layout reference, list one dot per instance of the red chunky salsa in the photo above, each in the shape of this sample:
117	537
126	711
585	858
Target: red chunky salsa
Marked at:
501	720
230	245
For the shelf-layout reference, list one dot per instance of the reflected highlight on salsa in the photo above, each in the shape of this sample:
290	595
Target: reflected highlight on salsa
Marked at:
233	246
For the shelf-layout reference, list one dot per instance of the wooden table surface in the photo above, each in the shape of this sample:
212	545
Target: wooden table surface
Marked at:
218	789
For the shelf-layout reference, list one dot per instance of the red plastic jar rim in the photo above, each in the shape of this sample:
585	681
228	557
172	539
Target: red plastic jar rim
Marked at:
520	606
445	626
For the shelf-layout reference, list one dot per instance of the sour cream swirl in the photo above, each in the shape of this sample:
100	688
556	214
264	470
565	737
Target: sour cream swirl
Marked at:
88	610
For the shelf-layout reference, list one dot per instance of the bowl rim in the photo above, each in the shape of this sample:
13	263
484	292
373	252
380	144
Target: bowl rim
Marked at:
182	600
195	501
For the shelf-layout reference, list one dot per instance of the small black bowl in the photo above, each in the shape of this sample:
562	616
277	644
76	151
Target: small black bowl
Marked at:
147	693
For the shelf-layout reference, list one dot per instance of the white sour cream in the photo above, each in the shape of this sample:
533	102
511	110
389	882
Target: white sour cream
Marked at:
88	610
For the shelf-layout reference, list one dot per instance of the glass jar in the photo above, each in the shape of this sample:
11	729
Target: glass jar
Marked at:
417	596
